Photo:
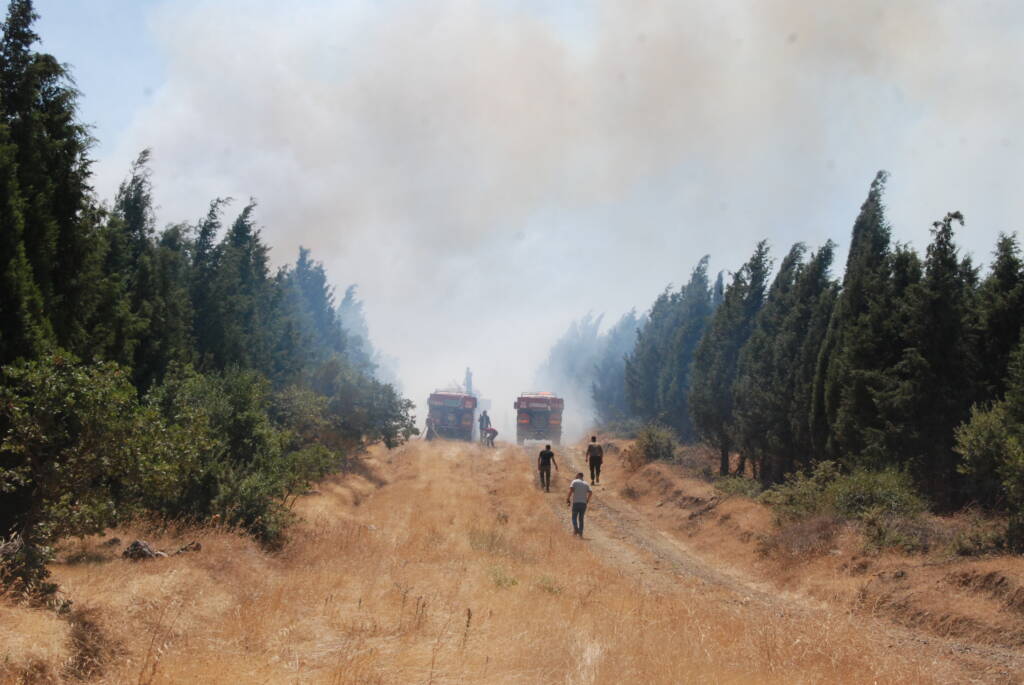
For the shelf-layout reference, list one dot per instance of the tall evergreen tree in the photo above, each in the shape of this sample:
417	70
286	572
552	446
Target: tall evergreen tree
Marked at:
609	386
858	345
359	349
715	360
239	314
38	106
644	363
776	365
931	388
691	310
24	328
1000	316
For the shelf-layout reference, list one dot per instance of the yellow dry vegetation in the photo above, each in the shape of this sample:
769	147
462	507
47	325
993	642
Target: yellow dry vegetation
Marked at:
447	566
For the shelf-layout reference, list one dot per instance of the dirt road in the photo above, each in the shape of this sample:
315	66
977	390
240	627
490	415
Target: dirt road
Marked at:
659	559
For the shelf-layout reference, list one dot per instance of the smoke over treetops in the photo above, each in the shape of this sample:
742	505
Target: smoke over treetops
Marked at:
486	173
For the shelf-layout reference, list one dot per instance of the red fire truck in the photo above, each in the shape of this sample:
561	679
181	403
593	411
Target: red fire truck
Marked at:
450	415
539	417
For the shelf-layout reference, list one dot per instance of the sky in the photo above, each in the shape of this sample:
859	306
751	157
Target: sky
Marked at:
488	171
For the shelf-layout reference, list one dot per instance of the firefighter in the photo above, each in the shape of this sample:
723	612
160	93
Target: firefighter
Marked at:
485	422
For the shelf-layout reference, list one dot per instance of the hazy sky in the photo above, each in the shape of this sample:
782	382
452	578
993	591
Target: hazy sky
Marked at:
488	171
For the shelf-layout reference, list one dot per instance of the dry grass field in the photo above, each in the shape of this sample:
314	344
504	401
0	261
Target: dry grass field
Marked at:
445	564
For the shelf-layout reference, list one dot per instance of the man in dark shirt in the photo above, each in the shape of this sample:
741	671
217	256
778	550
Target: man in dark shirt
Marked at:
544	461
595	455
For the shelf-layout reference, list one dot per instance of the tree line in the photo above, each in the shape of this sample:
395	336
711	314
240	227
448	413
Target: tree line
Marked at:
910	362
165	371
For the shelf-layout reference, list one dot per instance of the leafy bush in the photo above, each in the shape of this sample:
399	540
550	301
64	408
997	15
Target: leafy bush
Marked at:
256	450
738	485
888	492
885	503
655	442
992	445
826	490
78	453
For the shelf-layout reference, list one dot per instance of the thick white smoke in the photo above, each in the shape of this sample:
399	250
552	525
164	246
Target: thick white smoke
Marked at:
488	171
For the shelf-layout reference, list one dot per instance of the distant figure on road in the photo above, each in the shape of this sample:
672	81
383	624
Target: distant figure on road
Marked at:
431	432
578	498
595	455
485	422
544	461
489	435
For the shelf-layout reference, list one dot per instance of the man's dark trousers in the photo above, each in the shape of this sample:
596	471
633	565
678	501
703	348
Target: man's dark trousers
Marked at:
578	511
545	477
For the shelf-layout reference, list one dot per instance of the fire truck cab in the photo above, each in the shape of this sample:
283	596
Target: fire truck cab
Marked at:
539	417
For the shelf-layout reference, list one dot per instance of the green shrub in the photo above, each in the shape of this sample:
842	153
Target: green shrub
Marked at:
78	453
827	490
655	442
884	503
992	445
738	485
803	495
887	492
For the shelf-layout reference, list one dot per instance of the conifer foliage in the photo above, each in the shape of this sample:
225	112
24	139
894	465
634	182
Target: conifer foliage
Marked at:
911	365
169	370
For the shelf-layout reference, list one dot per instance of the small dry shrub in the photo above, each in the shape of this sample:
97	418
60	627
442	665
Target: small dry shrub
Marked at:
502	579
913	534
803	538
633	459
974	534
697	460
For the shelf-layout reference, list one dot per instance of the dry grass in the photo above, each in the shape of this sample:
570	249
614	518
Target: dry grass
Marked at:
456	570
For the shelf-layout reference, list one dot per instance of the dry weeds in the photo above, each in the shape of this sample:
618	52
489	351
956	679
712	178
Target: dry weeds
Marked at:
454	571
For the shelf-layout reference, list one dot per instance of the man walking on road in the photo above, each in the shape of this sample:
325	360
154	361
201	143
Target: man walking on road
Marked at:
594	457
544	461
578	498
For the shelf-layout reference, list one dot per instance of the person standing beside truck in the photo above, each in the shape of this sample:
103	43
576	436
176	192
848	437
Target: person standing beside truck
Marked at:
485	423
594	457
578	498
544	461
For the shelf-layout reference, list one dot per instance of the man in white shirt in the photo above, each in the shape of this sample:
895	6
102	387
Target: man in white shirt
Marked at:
578	498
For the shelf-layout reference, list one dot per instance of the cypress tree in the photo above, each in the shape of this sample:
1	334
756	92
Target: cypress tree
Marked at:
1000	316
644	363
38	106
931	388
24	329
608	389
776	365
714	366
857	346
691	309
